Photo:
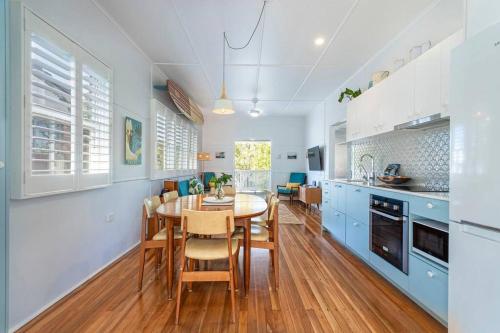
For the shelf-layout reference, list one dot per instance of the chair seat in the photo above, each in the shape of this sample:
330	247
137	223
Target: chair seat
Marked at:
260	220
284	190
162	235
257	233
209	249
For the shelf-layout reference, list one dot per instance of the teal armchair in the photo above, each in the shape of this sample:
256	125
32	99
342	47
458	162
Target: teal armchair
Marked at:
206	180
295	177
183	188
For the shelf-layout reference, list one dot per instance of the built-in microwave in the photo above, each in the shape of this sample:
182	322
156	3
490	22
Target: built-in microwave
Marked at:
430	239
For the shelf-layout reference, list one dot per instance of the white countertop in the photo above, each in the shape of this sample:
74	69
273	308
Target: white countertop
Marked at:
431	195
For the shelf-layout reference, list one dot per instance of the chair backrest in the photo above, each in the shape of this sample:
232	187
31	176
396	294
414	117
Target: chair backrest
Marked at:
273	206
229	190
172	195
298	177
207	176
183	188
269	196
207	222
151	204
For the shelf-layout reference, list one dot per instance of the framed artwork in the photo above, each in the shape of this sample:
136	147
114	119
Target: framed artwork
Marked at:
291	156
133	141
220	154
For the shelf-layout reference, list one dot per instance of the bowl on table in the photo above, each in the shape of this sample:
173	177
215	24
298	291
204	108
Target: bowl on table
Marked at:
394	179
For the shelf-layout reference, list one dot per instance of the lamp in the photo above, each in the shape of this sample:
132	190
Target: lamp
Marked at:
203	156
223	105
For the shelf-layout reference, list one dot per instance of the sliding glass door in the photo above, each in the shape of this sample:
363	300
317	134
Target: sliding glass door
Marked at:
252	166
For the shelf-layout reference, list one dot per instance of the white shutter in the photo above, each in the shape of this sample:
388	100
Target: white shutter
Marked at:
170	142
193	149
49	163
160	140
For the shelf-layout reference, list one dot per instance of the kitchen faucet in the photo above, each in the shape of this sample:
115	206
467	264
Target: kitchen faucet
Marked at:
370	177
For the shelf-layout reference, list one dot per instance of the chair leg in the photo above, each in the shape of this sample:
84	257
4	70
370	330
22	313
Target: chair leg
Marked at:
233	300
142	259
191	269
179	292
276	268
235	270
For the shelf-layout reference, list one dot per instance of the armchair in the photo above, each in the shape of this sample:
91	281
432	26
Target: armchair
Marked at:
292	188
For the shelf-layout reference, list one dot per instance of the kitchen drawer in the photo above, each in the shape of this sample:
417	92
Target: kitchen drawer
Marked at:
357	203
338	190
338	226
429	286
430	208
356	236
327	217
325	187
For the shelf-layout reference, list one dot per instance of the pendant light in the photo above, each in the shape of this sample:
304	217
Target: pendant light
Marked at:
254	112
223	105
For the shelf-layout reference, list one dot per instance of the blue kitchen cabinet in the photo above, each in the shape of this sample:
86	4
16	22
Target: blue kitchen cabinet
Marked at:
339	196
392	273
357	203
429	286
326	206
338	226
357	237
430	208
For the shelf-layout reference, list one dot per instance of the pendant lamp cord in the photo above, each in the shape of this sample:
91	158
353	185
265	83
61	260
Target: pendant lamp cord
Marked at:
251	36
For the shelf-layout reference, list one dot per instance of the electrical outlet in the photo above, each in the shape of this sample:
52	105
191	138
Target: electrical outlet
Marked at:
110	217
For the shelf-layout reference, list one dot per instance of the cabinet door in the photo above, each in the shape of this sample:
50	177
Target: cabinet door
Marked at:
353	109
428	83
357	203
339	197
382	118
356	237
447	47
338	226
398	106
368	114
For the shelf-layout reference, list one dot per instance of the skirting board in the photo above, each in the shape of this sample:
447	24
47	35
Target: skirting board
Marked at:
61	298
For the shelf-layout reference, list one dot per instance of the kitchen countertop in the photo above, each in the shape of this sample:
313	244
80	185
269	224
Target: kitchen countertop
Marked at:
445	196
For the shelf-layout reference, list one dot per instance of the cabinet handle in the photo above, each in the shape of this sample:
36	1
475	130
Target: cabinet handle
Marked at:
430	205
357	190
430	274
336	214
355	224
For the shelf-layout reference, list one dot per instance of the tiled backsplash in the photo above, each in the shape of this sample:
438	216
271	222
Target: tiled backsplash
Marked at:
423	154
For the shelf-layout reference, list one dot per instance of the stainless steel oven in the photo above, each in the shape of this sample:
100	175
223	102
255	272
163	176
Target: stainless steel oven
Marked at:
389	230
430	239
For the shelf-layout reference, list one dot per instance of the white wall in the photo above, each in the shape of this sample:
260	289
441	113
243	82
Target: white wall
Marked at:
481	14
57	242
435	24
315	136
285	133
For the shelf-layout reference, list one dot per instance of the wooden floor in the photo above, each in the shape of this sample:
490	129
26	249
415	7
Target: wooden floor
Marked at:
323	288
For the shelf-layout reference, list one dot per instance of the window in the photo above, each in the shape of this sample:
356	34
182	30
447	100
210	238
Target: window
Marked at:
252	166
175	142
67	114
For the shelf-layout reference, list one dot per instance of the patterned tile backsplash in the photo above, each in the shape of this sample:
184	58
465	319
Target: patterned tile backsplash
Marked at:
424	155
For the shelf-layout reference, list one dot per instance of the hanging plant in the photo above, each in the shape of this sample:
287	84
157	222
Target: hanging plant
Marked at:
350	94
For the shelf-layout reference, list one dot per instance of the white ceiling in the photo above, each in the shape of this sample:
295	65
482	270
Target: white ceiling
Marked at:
282	66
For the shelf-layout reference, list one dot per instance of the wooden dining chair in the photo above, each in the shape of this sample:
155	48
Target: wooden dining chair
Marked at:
207	223
264	219
151	236
167	196
266	237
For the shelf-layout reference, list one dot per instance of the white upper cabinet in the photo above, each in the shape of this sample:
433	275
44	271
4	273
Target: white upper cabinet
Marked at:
419	89
427	84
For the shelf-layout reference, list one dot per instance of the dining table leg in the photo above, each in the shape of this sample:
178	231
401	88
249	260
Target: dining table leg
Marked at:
247	244
170	257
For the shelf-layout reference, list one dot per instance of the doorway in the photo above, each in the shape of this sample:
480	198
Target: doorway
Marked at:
252	166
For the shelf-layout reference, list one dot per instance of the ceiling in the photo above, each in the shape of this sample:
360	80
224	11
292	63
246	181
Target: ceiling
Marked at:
282	66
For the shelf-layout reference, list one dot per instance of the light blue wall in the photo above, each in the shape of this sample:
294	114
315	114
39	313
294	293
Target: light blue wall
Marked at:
3	146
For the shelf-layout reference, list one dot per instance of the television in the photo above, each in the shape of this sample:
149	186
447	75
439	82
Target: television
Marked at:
314	158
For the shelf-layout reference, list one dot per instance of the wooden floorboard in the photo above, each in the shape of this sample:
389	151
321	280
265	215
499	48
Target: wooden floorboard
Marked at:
323	288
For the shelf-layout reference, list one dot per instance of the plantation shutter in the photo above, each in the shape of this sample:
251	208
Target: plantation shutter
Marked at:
50	92
170	152
160	145
96	124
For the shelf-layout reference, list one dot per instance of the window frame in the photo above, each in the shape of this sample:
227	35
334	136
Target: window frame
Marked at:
25	183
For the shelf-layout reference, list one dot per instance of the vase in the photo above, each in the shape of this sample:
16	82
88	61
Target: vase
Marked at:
219	192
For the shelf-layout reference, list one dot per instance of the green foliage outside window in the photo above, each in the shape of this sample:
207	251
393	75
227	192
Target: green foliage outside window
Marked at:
252	155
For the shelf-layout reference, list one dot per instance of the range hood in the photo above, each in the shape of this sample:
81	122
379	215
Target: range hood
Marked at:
427	121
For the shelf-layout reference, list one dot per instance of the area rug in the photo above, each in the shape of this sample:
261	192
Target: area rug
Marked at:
286	216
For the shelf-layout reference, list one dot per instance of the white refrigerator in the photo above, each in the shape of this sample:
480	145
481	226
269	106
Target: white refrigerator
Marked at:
474	263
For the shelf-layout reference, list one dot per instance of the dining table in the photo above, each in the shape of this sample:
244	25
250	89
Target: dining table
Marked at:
244	206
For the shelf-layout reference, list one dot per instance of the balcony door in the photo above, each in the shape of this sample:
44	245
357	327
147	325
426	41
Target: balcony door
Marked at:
252	166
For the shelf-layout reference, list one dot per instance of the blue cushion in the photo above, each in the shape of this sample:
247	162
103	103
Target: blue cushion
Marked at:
183	188
298	177
284	190
206	177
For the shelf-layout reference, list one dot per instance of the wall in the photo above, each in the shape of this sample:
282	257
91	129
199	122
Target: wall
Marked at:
435	24
285	133
57	242
481	14
424	155
315	136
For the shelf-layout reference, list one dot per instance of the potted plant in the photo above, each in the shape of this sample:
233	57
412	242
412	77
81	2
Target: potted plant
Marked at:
349	94
219	182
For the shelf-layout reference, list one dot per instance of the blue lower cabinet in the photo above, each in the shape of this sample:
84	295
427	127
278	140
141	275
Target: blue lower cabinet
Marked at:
338	226
326	215
429	286
392	273
430	208
356	236
357	202
338	190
